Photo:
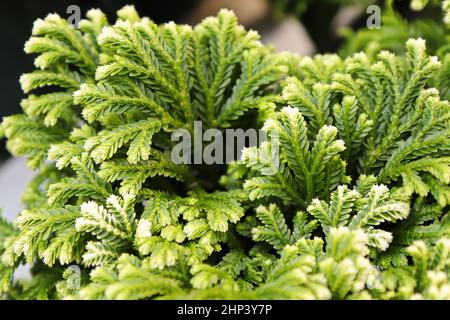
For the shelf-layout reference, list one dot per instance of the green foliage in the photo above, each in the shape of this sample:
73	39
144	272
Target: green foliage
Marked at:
150	79
66	58
426	222
299	7
7	256
346	199
392	125
132	279
363	208
48	234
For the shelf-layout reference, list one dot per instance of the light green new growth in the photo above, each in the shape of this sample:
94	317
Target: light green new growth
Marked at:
308	169
391	124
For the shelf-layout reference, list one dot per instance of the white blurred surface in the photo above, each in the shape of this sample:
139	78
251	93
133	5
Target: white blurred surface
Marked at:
14	176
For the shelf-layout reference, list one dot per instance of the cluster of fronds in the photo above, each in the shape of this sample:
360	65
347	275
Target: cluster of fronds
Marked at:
298	8
347	199
396	30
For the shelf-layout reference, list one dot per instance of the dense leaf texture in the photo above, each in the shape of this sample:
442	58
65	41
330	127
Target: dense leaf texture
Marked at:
346	199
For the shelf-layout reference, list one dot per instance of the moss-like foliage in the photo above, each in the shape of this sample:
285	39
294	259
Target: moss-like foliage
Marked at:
346	199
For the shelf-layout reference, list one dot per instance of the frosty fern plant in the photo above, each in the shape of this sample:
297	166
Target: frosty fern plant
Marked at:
355	206
110	133
151	79
397	29
391	124
358	118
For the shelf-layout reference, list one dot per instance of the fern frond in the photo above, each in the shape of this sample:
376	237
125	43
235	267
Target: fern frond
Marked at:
87	183
391	123
8	235
274	229
131	279
113	224
307	167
